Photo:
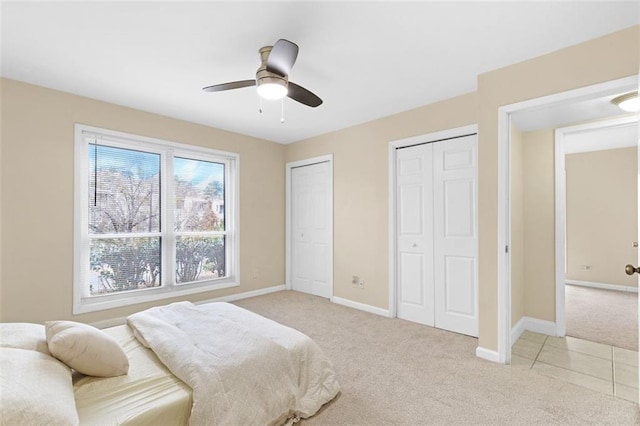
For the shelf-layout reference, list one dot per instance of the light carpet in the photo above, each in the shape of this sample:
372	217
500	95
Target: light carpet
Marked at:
603	316
395	372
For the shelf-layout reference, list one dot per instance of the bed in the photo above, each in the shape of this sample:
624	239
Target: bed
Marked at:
207	364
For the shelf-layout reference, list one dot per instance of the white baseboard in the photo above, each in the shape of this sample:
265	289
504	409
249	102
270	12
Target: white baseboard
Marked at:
487	354
517	330
361	306
540	326
532	324
604	286
112	322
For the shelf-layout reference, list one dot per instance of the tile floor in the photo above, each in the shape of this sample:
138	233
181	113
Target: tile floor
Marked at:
604	368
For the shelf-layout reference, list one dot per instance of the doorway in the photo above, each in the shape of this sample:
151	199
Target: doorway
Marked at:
597	171
309	226
559	110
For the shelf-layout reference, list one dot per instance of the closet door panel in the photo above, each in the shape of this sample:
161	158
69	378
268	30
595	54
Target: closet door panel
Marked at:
414	230
455	235
311	233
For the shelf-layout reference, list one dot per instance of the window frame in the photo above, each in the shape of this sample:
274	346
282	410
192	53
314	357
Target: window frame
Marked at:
169	288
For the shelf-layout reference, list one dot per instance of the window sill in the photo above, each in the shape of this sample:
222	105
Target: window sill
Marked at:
100	303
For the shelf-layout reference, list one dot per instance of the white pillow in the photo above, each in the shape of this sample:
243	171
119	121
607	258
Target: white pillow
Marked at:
23	335
86	349
36	389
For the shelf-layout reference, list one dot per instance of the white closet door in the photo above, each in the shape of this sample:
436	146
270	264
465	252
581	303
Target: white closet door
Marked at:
415	234
456	235
311	233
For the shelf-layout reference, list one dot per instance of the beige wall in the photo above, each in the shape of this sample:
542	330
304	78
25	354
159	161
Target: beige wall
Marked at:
602	220
539	224
516	247
606	58
37	198
37	134
361	202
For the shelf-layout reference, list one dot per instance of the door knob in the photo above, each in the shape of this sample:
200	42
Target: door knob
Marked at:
630	270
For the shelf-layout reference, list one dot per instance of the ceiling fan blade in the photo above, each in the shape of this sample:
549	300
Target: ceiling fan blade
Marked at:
282	57
302	95
229	86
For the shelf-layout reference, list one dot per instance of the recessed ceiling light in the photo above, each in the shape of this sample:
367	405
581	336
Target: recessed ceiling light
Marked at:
627	102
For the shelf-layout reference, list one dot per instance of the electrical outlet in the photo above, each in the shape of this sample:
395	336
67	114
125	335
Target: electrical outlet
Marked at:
355	280
361	284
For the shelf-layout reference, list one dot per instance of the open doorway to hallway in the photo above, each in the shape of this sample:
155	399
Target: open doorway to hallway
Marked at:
566	317
601	230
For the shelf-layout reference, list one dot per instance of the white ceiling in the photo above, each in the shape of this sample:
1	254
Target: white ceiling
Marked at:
366	60
564	114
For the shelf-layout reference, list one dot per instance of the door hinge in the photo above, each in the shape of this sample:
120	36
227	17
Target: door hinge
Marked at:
506	249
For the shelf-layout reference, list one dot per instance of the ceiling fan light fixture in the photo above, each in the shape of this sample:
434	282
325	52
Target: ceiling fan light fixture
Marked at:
272	89
628	102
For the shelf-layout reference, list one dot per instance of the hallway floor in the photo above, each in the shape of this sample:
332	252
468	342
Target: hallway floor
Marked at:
603	316
604	368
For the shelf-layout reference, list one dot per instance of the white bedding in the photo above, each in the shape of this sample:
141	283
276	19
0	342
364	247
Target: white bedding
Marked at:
242	368
148	395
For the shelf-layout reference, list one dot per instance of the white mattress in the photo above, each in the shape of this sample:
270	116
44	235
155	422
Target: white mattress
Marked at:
148	395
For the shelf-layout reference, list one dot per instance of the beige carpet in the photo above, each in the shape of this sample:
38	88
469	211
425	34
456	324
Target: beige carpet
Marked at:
395	372
603	316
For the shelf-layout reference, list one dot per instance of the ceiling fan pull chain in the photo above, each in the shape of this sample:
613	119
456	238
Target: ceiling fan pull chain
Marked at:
282	111
260	104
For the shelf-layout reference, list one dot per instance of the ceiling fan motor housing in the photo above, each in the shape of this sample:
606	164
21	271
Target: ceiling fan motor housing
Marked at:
265	77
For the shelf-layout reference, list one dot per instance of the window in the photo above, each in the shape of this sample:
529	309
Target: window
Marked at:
154	219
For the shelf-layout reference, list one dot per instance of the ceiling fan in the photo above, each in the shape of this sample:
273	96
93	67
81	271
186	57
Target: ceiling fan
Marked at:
272	77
